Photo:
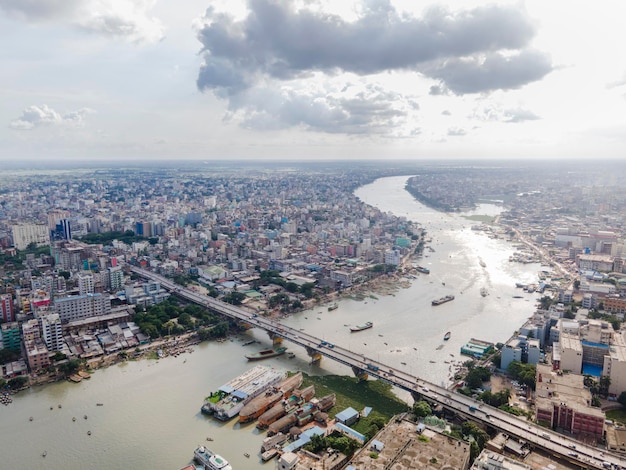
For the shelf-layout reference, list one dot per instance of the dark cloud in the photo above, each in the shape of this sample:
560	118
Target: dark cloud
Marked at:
492	71
276	42
39	9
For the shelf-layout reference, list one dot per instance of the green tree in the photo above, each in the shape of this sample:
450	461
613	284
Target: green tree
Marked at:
17	382
292	287
421	409
622	399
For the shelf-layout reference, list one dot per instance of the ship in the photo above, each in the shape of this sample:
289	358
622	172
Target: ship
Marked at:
482	263
443	300
333	307
484	292
210	460
422	269
446	337
266	353
285	406
361	327
302	415
230	398
259	405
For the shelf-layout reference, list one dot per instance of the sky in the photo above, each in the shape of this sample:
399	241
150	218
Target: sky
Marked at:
311	79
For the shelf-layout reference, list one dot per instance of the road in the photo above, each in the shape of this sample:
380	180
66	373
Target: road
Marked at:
557	444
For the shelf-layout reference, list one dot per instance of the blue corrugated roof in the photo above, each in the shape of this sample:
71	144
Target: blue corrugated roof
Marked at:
346	414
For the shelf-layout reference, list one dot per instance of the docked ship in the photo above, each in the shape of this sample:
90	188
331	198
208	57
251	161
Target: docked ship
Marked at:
233	396
333	307
266	353
210	460
259	405
422	269
446	337
443	300
361	327
302	415
285	406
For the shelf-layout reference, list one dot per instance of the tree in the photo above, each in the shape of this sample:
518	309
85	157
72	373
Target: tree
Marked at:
622	399
604	384
422	409
292	287
17	382
70	367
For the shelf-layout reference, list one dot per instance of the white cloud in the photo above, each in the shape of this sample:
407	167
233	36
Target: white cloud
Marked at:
129	19
42	116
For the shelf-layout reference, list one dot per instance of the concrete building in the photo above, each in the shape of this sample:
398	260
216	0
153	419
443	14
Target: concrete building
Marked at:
614	365
488	460
37	355
52	331
86	283
10	333
602	263
6	306
571	353
25	234
564	403
82	306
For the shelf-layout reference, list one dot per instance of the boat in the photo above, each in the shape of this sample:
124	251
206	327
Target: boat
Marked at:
422	269
333	307
291	355
446	337
230	398
269	454
99	404
259	405
210	460
247	343
484	292
285	406
443	300
361	327
266	353
482	263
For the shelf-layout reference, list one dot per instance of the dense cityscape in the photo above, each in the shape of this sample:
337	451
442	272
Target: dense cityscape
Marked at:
286	239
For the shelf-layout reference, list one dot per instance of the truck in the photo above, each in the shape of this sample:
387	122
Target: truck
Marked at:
372	367
472	408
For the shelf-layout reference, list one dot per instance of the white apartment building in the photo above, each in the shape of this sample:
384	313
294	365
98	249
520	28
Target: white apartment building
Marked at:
82	306
25	234
52	331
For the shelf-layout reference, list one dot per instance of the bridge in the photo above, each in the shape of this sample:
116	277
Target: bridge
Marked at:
557	444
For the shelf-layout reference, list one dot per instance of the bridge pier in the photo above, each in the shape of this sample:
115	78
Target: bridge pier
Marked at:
277	340
314	354
359	373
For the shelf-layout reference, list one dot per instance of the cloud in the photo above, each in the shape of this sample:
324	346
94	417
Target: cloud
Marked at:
127	19
492	71
496	113
456	131
42	116
519	115
469	51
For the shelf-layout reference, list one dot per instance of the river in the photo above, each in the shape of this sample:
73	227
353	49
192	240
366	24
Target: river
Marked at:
150	417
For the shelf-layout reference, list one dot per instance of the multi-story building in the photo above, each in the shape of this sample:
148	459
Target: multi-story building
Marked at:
52	331
116	278
82	306
25	234
614	304
37	355
86	283
520	349
6	305
562	401
31	331
11	336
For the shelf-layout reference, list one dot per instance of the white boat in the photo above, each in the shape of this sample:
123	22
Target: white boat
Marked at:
211	460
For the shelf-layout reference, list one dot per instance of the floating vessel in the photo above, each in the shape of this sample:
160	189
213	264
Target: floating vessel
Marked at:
285	406
443	300
210	460
482	263
259	405
333	307
446	337
230	398
484	292
422	269
302	415
361	327
266	353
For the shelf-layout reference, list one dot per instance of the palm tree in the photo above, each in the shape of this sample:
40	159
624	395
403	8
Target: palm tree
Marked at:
605	383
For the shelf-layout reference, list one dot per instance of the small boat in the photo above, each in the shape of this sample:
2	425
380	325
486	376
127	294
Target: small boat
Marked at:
74	418
44	453
89	433
403	363
333	307
291	355
361	327
246	455
85	416
99	404
446	337
443	300
209	439
60	406
30	419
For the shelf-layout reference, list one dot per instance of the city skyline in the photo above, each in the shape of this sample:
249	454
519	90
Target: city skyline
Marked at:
262	79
